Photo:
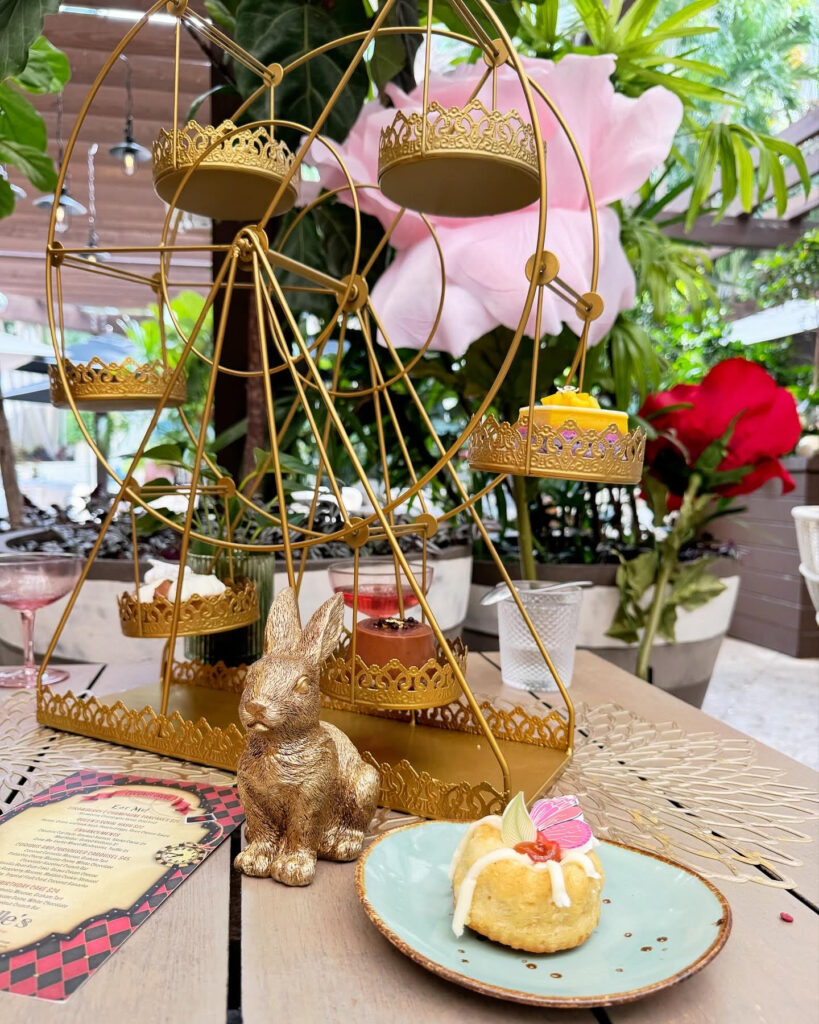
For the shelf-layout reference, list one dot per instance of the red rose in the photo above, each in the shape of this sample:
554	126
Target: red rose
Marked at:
765	426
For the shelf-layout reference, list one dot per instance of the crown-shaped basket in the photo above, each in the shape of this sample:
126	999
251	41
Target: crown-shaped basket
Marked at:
224	172
211	613
393	686
566	452
98	386
459	161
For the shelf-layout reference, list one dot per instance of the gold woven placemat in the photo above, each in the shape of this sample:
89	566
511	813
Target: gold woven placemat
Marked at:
699	798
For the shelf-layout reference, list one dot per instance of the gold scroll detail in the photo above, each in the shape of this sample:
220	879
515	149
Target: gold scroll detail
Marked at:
566	452
213	613
126	385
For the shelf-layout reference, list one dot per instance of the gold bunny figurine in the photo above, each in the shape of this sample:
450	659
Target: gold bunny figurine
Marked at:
306	791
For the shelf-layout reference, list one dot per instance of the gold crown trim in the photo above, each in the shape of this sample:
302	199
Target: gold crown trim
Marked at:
128	381
394	685
211	613
513	724
565	452
226	678
470	129
404	788
251	148
142	728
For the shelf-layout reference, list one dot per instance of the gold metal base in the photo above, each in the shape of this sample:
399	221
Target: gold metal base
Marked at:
463	162
213	613
392	686
233	180
123	387
440	767
565	453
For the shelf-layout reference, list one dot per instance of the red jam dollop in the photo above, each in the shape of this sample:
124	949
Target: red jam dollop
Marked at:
540	850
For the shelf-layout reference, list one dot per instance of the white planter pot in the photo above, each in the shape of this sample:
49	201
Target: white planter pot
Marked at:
93	632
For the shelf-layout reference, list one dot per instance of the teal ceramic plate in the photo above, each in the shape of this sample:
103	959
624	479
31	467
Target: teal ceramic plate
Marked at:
660	923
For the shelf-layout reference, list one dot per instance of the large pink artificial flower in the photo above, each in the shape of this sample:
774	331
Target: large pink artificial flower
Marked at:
621	140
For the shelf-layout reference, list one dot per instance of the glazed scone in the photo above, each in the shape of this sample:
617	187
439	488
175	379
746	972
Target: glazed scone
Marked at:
542	896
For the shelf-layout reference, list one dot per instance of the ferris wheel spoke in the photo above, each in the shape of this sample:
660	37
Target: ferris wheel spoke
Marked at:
310	138
284	350
380	380
385	238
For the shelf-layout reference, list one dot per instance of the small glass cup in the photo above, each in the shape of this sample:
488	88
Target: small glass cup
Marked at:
28	581
378	584
555	616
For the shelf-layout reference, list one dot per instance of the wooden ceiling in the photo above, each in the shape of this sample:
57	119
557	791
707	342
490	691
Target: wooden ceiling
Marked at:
128	210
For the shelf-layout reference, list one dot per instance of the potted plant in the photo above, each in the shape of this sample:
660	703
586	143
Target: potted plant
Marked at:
709	443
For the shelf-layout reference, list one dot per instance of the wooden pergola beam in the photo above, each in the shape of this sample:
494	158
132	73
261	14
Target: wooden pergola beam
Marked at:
743	231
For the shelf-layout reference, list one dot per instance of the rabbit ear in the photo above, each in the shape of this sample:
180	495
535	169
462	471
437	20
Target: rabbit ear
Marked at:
283	628
321	633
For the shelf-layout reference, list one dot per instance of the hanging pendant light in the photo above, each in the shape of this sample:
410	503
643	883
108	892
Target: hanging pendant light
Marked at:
16	191
129	152
94	254
67	206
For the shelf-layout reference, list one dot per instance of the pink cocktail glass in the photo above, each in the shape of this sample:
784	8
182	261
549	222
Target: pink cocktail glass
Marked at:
378	584
29	581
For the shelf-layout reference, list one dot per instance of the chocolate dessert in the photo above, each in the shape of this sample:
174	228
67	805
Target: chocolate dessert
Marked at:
380	640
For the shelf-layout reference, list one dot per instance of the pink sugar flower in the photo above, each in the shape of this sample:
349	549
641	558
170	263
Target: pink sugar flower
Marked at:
621	139
561	821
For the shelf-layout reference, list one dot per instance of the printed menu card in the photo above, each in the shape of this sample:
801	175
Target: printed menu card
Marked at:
84	863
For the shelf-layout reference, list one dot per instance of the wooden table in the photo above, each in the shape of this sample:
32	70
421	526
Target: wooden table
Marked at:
228	948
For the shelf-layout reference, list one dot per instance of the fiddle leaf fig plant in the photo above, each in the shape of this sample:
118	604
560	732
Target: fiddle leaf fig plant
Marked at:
28	64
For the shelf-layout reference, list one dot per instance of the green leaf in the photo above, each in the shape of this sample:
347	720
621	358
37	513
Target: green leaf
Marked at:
223	13
595	18
780	188
282	31
393	56
745	172
229	435
168	453
36	165
675	22
657	496
47	69
694	586
6	198
624	626
636	19
19	121
668	623
21	22
703	176
635	576
216	90
516	825
728	171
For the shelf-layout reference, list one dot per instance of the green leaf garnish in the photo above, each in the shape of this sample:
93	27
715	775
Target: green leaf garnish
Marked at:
516	825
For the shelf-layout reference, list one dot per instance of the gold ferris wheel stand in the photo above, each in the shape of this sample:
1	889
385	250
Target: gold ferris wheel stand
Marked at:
442	751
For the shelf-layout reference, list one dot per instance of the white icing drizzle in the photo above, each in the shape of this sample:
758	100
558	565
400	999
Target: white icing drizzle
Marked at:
490	819
577	857
560	897
466	890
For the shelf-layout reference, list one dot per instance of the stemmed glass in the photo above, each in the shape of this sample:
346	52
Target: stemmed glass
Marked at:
378	584
29	581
